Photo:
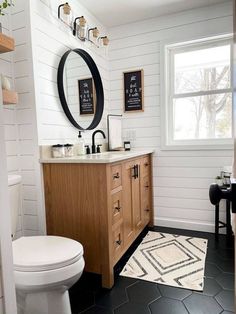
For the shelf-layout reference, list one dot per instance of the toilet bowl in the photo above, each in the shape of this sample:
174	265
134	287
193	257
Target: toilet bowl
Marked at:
45	267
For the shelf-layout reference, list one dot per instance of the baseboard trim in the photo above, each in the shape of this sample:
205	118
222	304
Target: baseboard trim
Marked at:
180	224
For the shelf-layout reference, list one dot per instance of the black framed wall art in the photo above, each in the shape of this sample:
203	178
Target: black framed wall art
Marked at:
133	91
86	96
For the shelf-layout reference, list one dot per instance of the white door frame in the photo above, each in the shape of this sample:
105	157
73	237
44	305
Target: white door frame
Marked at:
6	259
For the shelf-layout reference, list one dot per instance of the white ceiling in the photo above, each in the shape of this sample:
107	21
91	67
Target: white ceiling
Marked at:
117	12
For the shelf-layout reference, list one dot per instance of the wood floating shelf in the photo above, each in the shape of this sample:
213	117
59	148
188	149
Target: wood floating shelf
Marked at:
9	97
7	43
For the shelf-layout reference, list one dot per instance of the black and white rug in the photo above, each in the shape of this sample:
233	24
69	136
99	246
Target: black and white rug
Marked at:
169	259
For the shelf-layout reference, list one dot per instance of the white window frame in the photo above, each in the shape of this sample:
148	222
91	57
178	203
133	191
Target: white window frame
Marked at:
168	52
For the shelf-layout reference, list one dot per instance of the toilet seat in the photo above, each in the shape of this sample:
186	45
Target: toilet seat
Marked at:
45	253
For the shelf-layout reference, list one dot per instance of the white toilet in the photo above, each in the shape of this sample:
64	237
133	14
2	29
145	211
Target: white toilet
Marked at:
45	267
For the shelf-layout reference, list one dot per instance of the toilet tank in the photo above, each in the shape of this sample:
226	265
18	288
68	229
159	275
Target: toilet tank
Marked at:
14	186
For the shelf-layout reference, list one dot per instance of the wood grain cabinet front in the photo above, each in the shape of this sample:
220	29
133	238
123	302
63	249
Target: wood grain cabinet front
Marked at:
103	206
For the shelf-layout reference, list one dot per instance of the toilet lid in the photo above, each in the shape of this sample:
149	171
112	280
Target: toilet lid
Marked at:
39	253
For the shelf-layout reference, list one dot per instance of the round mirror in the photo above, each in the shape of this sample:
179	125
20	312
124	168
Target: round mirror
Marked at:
80	89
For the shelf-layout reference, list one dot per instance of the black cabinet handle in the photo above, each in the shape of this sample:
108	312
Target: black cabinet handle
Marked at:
118	242
134	171
116	176
147	210
117	209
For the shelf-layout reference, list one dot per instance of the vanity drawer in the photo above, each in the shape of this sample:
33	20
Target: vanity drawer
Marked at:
117	243
115	176
116	203
145	166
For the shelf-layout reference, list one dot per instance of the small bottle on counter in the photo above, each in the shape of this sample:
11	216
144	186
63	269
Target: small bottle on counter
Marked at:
80	145
69	150
58	151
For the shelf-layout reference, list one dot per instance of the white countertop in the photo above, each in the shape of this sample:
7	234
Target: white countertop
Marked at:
102	158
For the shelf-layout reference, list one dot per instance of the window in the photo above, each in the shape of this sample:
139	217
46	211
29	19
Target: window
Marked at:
199	93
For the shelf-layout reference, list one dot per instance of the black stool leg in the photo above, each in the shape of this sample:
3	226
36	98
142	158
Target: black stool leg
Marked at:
217	208
228	220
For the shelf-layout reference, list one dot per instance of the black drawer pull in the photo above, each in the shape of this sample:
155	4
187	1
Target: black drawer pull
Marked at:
118	208
147	186
146	164
116	176
147	210
118	242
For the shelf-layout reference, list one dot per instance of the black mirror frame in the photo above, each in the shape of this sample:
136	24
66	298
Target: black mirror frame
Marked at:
98	88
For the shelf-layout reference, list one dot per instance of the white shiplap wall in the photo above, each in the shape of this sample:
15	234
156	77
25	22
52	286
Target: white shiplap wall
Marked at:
181	178
26	118
10	111
51	39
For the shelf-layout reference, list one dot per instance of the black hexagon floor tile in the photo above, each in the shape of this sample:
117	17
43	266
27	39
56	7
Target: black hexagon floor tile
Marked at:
174	293
116	296
226	265
132	296
211	270
97	310
81	300
226	281
167	306
143	292
226	299
201	304
211	287
135	308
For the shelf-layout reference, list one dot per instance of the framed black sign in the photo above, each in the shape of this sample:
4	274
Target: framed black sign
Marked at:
86	96
133	91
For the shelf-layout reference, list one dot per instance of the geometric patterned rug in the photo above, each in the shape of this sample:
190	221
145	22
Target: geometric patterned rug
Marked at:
169	259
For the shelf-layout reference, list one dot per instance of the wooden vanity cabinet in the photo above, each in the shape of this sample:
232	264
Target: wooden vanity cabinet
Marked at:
103	206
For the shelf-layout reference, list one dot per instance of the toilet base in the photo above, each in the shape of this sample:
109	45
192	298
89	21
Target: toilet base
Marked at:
49	302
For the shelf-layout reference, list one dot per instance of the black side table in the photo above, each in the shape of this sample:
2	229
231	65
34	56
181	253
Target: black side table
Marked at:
219	224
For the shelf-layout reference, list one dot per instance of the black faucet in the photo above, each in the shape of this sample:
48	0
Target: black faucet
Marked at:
93	139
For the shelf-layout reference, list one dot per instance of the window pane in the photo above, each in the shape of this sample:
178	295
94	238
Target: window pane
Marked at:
202	69
203	117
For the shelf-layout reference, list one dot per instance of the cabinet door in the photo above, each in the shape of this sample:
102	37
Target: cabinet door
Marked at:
136	196
131	199
146	200
128	218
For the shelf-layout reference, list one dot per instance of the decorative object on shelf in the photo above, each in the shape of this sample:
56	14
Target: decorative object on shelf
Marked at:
80	27
86	96
133	91
4	5
5	83
65	14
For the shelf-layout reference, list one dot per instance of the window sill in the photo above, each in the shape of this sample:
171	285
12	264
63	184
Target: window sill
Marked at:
228	145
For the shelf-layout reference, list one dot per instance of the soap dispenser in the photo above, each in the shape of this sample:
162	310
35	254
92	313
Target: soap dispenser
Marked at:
80	146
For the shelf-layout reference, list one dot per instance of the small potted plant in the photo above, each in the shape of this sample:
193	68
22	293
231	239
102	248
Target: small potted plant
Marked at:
4	5
219	180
